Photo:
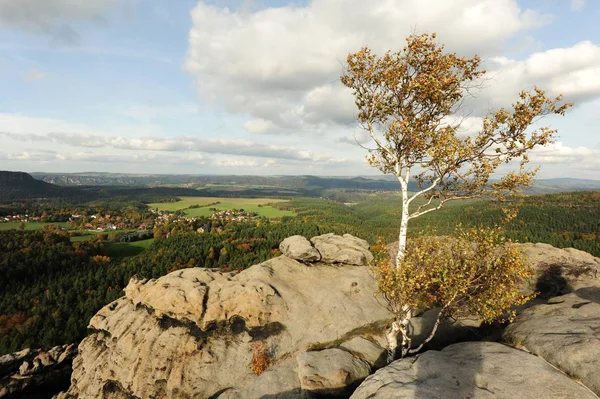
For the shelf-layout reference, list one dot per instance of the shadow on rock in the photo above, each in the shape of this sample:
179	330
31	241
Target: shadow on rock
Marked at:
551	282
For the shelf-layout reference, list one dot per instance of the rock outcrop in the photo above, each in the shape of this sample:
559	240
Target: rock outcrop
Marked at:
309	324
192	333
33	370
565	332
559	271
471	370
299	248
342	249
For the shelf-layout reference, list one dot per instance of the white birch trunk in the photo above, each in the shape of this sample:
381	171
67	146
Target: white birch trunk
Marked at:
403	225
400	326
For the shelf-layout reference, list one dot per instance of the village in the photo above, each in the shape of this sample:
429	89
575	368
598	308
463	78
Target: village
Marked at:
106	222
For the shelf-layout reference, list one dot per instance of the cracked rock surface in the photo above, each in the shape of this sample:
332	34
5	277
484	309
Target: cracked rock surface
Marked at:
564	332
34	369
560	271
471	370
192	332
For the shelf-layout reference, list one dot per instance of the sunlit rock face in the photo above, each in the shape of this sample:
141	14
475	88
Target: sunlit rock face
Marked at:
471	370
192	333
565	331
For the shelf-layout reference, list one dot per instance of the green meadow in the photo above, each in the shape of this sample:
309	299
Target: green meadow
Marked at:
125	249
258	205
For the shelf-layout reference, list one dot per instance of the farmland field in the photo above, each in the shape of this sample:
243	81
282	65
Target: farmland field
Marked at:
125	249
257	205
83	237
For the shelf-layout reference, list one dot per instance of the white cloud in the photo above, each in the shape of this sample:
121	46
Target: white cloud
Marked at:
560	153
106	158
465	125
19	128
577	5
258	126
572	71
237	163
283	64
269	163
359	138
34	74
20	156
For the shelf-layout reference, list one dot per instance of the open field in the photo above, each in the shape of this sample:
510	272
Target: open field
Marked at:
31	225
125	249
248	204
84	237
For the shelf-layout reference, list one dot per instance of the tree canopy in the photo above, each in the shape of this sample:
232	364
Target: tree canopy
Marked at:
411	103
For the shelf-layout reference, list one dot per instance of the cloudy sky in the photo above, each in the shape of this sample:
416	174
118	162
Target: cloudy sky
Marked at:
252	87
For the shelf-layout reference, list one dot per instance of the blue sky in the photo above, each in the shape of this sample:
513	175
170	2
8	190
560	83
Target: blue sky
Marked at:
251	87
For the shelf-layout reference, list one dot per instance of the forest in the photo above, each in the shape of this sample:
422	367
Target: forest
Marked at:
51	284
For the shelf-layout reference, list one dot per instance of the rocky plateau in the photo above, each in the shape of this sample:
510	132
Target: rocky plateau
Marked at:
308	324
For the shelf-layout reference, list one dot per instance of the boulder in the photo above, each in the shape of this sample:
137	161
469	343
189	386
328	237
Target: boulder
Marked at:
34	371
342	249
332	372
12	361
471	370
191	333
565	332
299	248
559	271
277	382
373	353
463	329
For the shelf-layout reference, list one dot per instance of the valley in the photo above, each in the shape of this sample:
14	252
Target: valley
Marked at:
66	260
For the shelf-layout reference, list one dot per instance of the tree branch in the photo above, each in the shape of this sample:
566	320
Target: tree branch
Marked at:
433	185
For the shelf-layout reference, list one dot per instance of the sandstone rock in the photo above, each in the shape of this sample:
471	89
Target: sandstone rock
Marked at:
464	329
559	271
342	249
373	353
331	371
68	351
35	371
45	358
11	362
179	295
299	248
55	352
471	370
278	382
190	333
284	380
565	332
29	368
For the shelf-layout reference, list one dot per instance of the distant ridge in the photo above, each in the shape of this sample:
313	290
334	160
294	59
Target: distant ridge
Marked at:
21	185
299	184
8	176
562	184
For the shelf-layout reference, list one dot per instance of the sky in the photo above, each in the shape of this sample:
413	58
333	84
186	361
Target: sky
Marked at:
252	87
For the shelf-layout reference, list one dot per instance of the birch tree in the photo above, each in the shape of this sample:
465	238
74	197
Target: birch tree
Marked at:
410	103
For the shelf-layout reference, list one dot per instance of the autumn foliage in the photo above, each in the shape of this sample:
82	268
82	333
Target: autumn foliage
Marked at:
477	273
411	104
261	358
